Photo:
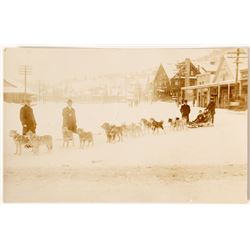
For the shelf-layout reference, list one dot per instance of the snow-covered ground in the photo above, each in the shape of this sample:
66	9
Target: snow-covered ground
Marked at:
199	149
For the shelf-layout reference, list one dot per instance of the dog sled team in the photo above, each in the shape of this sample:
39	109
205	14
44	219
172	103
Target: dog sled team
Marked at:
114	133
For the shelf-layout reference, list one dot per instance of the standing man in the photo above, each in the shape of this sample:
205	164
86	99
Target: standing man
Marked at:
211	109
69	117
194	100
27	117
185	111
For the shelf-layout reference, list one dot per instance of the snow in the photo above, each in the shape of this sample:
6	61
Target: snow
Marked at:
223	144
193	165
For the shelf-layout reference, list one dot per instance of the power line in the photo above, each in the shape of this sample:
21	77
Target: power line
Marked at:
25	70
237	53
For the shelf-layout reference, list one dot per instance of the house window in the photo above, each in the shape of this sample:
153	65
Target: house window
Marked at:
192	73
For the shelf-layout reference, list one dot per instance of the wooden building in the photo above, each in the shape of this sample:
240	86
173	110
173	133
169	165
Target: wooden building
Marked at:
220	85
161	85
244	85
185	77
15	94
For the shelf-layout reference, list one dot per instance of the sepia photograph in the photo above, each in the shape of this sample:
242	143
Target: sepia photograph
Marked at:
125	124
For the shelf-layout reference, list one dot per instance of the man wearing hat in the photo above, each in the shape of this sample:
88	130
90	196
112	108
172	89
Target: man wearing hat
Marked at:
211	108
27	117
69	117
185	110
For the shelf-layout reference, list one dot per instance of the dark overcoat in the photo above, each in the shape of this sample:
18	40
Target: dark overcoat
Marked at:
69	119
27	119
185	109
211	107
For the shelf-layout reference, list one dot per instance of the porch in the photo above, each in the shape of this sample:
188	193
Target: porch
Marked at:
224	94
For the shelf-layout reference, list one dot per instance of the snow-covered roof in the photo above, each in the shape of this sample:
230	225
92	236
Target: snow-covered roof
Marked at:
8	84
231	65
14	88
170	70
17	90
208	66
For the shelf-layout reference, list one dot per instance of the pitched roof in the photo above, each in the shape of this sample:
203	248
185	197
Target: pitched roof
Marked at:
8	84
181	66
206	66
230	64
11	88
161	71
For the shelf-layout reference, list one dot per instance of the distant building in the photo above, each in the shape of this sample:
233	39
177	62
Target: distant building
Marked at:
244	84
185	77
7	85
160	85
15	94
220	85
201	96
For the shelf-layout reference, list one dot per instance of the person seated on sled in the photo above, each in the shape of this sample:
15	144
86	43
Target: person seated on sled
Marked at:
207	116
200	118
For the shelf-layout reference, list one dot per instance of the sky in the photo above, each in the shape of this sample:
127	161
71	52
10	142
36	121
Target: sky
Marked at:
52	65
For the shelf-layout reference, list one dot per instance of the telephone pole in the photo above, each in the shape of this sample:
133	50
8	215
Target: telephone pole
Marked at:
179	73
237	55
25	70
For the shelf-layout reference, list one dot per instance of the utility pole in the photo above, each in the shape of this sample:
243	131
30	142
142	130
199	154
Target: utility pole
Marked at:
179	87
237	55
25	70
179	71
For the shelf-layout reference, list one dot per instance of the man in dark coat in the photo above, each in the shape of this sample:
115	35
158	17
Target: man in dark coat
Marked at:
27	118
211	109
185	110
69	117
